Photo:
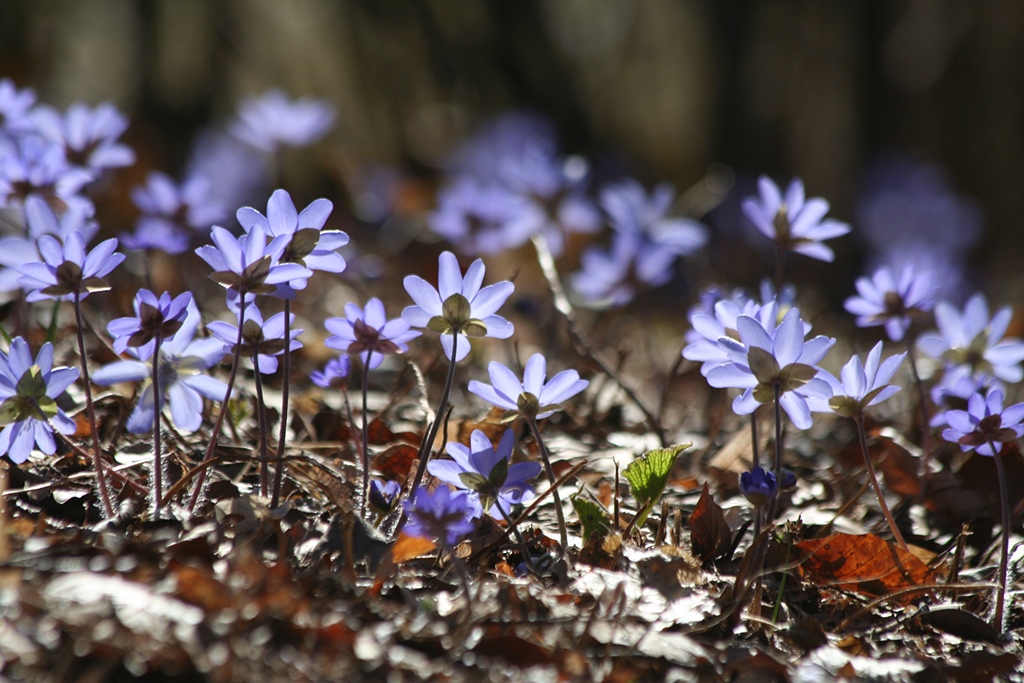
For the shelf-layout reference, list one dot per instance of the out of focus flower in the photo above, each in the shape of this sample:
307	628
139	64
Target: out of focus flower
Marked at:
533	398
369	333
885	300
40	220
441	515
68	269
458	306
88	135
172	214
15	107
153	316
183	359
863	384
333	374
472	214
36	167
235	173
272	120
793	222
984	423
28	407
263	340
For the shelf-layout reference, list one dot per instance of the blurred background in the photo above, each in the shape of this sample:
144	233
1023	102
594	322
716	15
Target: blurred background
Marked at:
907	116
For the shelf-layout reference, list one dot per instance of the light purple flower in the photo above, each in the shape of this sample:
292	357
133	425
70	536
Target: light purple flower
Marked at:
369	333
333	374
171	214
272	120
885	300
68	269
768	359
606	276
248	264
36	167
183	358
40	220
262	339
163	316
970	344
863	384
28	408
472	215
442	515
984	423
708	329
459	306
88	135
533	397
634	211
793	222
15	107
485	472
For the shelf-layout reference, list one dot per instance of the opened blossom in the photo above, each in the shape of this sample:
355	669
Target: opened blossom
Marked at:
441	515
985	423
895	302
68	270
154	316
863	384
368	333
533	397
792	221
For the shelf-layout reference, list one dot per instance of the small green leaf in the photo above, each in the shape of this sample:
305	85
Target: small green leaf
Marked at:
474	481
648	475
592	517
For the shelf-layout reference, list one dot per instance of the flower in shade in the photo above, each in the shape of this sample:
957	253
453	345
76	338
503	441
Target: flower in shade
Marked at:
793	222
767	360
484	470
458	306
17	250
36	167
863	384
384	495
172	213
67	269
28	409
970	344
984	423
248	264
441	514
183	358
758	486
533	397
15	107
261	339
369	333
333	374
273	120
89	135
153	316
883	299
472	214
634	211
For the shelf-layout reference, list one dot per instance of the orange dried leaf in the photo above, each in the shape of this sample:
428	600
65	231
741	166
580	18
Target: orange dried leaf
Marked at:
410	547
864	564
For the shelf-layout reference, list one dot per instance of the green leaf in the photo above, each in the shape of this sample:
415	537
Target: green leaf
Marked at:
592	517
648	475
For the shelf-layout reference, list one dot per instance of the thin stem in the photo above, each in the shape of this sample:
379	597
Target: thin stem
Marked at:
1004	509
158	472
101	480
535	430
862	437
261	421
286	373
515	528
212	445
755	456
922	400
366	431
562	304
777	470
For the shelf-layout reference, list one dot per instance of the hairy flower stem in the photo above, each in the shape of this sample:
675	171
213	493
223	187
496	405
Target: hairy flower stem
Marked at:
755	457
158	465
1004	509
101	477
261	421
922	400
366	432
773	507
862	437
212	446
286	375
535	431
519	536
562	304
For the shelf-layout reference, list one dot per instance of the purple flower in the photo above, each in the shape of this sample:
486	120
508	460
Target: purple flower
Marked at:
15	107
441	515
984	423
234	172
305	242
472	214
863	384
955	395
485	471
765	361
970	344
183	358
262	340
758	486
533	397
248	264
171	214
88	135
606	276
28	408
884	300
369	333
384	496
793	222
634	211
273	120
334	373
36	167
67	269
708	329
40	220
459	306
153	316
